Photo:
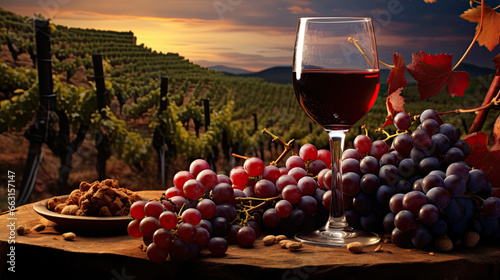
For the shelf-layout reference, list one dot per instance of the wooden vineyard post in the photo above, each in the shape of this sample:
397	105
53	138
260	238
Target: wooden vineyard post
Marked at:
159	134
102	139
206	107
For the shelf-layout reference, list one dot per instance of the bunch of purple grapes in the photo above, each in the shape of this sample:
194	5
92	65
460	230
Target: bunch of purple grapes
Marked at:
420	187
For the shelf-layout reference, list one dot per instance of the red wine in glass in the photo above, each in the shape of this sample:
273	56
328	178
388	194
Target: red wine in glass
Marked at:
336	99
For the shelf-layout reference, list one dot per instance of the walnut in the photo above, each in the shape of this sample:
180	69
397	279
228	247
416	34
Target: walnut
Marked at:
59	207
70	209
53	202
104	212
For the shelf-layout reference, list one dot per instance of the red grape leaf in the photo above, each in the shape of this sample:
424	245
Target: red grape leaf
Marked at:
483	156
490	32
397	75
497	61
434	72
395	104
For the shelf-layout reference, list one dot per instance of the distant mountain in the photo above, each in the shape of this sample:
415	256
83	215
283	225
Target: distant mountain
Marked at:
229	70
283	74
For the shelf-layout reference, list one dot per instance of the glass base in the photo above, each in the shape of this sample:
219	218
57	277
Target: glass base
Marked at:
337	237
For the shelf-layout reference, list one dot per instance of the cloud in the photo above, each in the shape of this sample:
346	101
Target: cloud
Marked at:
299	10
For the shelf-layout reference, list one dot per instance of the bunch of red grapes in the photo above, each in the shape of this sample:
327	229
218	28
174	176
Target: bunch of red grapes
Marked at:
416	189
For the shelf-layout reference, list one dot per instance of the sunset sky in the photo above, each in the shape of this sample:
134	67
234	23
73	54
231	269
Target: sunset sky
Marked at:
257	34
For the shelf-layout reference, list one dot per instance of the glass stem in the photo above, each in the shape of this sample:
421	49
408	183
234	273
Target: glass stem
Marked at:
336	218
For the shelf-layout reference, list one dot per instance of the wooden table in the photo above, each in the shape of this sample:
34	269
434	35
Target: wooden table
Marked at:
119	257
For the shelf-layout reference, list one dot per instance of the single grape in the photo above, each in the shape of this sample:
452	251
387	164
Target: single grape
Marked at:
384	194
297	217
403	144
179	250
388	175
197	166
428	164
438	196
238	176
405	221
153	208
422	237
453	154
369	183
133	229
246	236
327	180
418	155
431	126
283	181
362	143
265	189
181	177
156	253
168	220
271	218
455	185
491	207
431	114
283	208
378	149
208	179
460	169
320	178
478	181
292	194
227	211
351	153
223	178
163	238
440	173
221	226
417	185
231	237
148	226
223	193
171	192
177	202
308	152
432	181
407	168
137	209
396	203
421	139
271	173
463	146
186	232
413	201
402	121
193	189
440	144
294	161
308	204
428	214
400	238
350	165
369	164
388	158
369	222
388	222
191	216
450	131
402	186
297	173
350	183
217	246
254	166
307	185
315	166
207	208
325	156
326	200
202	237
362	203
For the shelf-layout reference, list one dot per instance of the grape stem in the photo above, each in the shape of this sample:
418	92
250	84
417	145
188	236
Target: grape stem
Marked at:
479	29
288	146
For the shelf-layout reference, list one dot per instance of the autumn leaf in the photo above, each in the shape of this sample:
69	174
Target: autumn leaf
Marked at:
430	1
395	104
497	61
483	156
490	31
397	78
434	72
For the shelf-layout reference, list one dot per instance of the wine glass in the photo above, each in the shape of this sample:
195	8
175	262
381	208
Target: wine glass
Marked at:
336	81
